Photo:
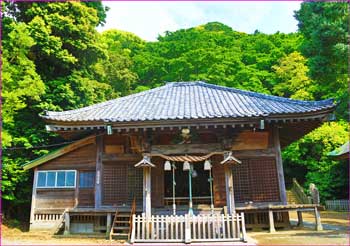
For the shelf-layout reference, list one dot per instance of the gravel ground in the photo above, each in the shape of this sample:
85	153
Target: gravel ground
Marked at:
335	232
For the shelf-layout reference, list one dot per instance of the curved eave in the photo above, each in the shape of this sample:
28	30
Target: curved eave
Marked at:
320	115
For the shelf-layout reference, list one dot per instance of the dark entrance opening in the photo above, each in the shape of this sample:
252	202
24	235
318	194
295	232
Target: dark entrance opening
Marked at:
200	185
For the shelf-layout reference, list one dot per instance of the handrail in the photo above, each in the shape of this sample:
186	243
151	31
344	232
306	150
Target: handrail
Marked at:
133	210
299	192
115	218
59	223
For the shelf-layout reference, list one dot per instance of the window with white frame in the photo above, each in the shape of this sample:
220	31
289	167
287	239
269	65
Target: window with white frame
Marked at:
56	179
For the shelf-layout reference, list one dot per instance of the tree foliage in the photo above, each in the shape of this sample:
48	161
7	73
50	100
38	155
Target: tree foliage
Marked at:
215	53
311	152
48	53
292	78
325	26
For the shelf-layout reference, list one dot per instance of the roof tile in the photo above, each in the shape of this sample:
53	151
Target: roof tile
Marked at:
188	100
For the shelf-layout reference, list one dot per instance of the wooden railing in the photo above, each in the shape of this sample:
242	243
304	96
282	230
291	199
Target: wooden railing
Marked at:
113	224
199	228
338	205
299	192
47	217
53	220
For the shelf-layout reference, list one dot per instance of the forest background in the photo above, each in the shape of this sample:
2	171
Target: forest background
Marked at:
53	58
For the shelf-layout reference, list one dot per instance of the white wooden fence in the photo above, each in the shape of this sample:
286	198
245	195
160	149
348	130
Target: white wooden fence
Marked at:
338	205
47	221
185	228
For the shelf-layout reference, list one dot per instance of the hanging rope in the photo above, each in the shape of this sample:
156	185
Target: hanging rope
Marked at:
189	158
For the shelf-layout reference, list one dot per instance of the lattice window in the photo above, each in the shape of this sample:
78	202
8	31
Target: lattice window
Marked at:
135	183
256	180
241	181
264	180
121	182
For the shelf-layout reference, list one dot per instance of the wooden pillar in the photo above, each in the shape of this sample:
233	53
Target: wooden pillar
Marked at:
318	225
108	224
98	185
32	209
230	199
271	221
279	165
66	223
76	192
147	191
300	219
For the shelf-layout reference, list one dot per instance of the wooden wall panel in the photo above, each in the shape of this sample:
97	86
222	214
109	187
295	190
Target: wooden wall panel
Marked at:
157	184
58	199
82	158
219	187
86	197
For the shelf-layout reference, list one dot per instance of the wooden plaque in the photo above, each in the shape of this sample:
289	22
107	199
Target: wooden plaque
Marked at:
114	149
251	140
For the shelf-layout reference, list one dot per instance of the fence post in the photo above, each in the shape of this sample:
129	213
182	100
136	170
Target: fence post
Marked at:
108	224
187	229
244	233
66	223
318	220
272	224
132	238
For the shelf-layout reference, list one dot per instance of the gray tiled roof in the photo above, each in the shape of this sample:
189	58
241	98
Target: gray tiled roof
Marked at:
189	100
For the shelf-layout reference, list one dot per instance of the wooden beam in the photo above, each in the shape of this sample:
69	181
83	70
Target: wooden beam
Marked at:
76	192
98	185
121	157
32	209
270	152
300	219
279	165
175	149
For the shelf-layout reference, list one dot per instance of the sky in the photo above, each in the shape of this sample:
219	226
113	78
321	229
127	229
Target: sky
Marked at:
150	19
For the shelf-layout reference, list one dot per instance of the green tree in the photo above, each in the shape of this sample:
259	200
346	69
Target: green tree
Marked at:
64	34
311	155
217	54
48	52
325	27
292	77
21	84
117	69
